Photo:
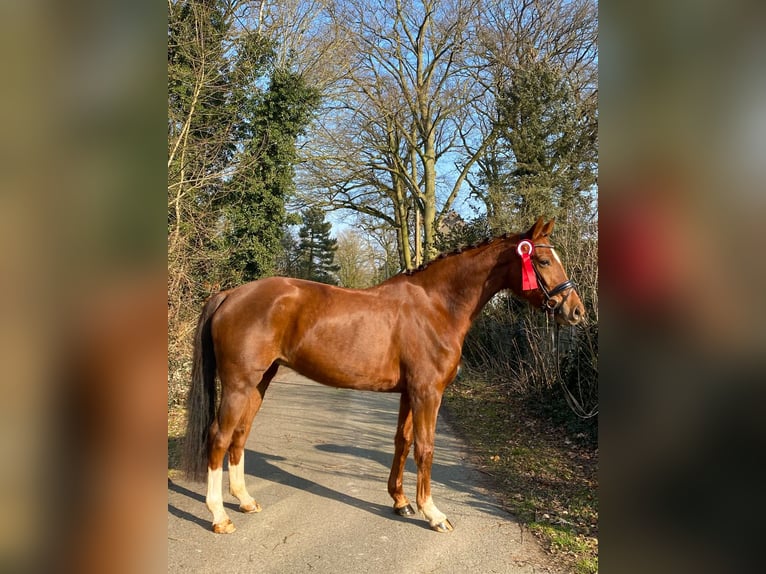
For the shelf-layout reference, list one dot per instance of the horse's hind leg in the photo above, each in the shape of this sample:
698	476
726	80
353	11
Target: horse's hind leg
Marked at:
233	407
240	401
237	485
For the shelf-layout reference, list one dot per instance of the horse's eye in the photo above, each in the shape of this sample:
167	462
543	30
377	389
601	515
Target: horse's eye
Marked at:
545	262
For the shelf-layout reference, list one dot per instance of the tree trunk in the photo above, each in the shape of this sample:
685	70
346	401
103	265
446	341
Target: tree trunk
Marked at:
402	224
418	235
429	203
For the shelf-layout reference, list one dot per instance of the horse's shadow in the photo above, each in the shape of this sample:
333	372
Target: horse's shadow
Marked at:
261	465
182	514
450	475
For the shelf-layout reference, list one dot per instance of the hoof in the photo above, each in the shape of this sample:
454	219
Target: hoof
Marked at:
405	510
445	526
226	527
250	508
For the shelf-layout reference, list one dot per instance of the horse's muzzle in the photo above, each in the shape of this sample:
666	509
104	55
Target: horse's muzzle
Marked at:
571	314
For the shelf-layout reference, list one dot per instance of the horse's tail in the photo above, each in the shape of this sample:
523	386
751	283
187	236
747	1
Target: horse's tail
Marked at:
201	400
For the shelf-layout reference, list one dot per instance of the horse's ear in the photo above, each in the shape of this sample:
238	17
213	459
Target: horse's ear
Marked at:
534	231
548	229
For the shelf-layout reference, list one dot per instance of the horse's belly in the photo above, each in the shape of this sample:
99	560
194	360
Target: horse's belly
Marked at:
338	369
353	345
359	360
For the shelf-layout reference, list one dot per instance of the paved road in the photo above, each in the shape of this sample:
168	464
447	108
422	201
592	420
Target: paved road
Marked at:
317	461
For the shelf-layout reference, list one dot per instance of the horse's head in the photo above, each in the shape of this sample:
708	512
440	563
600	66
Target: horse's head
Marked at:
547	285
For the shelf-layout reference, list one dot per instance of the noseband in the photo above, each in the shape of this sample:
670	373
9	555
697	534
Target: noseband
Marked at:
550	304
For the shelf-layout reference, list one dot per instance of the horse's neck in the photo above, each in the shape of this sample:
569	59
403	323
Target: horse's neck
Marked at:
490	274
473	278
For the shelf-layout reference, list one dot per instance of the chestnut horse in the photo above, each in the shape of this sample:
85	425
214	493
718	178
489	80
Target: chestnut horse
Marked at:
404	335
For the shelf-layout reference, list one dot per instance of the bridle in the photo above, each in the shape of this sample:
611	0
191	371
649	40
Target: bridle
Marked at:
550	304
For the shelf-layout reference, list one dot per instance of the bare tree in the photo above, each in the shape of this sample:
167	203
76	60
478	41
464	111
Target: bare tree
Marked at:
411	88
387	142
198	145
355	258
306	39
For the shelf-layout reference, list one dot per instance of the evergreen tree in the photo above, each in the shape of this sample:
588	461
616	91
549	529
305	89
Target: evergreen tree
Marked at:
255	210
288	260
317	248
233	120
552	139
544	159
235	111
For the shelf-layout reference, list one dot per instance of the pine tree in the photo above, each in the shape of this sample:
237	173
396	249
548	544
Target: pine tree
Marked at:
255	210
317	248
544	159
550	136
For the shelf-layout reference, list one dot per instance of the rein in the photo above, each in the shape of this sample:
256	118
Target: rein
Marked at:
574	405
550	306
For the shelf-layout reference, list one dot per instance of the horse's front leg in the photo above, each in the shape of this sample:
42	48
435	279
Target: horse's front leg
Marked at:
424	417
402	444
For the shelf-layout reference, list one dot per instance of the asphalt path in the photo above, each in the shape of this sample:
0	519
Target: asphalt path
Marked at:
317	461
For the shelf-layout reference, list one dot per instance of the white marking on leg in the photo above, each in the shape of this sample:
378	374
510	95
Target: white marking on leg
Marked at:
238	488
214	498
432	514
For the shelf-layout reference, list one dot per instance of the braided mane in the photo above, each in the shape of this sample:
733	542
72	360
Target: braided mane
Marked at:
458	251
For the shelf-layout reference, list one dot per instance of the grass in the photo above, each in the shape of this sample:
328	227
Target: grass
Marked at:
542	462
176	428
